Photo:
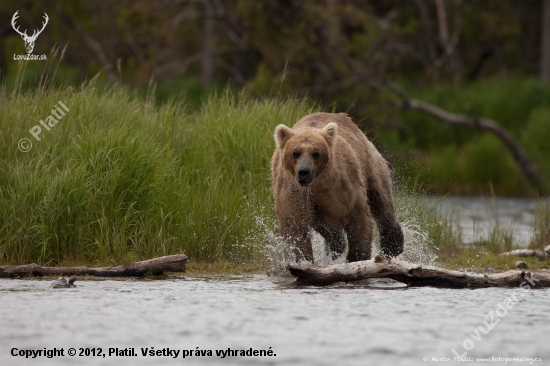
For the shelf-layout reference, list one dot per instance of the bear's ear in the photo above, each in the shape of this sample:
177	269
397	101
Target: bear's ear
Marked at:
330	131
282	133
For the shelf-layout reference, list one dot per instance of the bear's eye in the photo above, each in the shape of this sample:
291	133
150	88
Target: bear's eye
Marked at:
315	155
296	154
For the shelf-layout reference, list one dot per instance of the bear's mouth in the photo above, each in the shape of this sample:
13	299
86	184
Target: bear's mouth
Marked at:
304	182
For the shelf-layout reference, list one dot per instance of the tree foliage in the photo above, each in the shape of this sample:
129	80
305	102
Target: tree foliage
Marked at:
313	44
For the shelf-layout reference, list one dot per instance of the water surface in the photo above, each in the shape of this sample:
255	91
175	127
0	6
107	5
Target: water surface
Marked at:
475	217
372	323
377	323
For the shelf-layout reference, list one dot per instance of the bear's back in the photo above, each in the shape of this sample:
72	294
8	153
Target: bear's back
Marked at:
321	119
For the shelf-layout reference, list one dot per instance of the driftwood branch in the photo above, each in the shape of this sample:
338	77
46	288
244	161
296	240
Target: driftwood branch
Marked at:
155	266
518	154
413	275
541	254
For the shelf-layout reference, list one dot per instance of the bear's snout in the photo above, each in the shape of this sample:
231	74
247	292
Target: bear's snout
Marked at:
304	174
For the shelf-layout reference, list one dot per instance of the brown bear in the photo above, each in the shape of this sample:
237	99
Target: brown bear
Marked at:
327	176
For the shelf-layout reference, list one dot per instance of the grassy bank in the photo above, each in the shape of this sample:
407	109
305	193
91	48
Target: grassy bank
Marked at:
119	179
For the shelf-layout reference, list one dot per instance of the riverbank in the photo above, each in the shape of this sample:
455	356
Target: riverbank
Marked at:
112	179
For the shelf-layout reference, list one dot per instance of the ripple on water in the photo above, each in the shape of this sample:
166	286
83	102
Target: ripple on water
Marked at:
342	324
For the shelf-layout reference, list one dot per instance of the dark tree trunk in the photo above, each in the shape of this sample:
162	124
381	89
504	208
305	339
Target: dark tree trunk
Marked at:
207	61
3	62
545	43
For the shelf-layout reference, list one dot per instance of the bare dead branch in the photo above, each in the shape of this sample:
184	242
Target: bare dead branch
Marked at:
95	46
180	67
233	71
479	123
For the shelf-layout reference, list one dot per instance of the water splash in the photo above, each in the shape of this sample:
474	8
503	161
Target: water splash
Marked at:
277	252
280	254
419	247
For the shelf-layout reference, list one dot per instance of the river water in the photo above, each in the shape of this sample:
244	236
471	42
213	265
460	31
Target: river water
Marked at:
377	322
474	217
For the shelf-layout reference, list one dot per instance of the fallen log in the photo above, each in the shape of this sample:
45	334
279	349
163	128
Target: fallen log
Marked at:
413	275
541	254
155	266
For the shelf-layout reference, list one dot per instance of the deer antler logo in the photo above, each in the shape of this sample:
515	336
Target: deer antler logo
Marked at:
29	40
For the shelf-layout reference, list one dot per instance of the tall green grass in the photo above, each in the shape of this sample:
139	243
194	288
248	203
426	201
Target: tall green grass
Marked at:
120	179
541	226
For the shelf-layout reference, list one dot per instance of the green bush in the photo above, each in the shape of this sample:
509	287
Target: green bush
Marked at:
536	138
487	161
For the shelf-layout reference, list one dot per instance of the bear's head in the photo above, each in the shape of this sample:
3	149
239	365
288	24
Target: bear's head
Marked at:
306	151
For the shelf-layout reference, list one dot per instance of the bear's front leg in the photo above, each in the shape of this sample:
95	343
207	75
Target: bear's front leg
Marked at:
334	239
380	200
391	240
359	234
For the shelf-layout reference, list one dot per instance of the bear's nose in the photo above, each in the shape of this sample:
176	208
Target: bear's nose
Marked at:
304	172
